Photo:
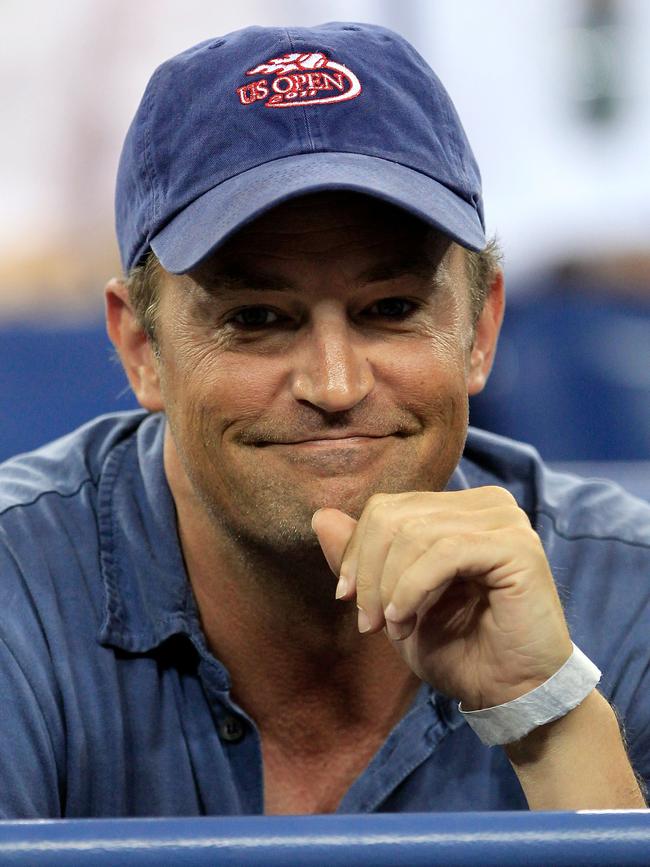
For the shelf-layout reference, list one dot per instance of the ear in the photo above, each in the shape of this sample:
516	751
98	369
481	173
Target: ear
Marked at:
133	346
486	335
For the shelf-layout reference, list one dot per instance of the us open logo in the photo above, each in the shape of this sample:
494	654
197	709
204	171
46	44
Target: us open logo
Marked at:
300	79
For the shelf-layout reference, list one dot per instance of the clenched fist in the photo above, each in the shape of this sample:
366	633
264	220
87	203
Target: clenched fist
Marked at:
461	584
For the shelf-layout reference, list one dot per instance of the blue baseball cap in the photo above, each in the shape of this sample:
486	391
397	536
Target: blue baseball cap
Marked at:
236	125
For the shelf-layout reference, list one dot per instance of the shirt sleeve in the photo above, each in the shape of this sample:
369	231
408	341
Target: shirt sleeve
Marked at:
28	768
32	727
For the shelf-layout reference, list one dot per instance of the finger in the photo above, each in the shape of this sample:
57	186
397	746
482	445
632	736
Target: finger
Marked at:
400	631
384	518
373	539
366	554
334	529
350	561
420	503
500	560
380	520
420	586
415	536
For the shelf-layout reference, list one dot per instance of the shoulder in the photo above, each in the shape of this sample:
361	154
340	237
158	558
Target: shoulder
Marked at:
52	604
49	523
51	592
63	467
559	503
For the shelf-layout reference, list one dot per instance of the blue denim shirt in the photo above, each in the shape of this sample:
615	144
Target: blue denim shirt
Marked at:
111	703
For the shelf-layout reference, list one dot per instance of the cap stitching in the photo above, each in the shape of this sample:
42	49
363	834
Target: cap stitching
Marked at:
150	172
305	117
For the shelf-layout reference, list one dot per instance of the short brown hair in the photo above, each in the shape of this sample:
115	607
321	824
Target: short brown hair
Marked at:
481	270
143	283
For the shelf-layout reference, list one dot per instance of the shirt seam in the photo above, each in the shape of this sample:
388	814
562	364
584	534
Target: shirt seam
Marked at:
580	536
65	496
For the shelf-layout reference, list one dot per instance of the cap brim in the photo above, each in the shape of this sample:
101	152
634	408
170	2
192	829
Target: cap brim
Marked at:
208	221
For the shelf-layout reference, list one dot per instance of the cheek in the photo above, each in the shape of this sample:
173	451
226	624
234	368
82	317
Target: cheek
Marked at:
433	370
215	390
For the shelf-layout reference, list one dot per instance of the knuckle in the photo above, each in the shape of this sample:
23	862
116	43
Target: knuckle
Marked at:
377	501
501	495
449	547
413	533
535	540
512	515
382	512
415	525
377	507
527	537
521	519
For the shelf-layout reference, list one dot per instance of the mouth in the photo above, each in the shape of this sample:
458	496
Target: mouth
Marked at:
332	440
328	456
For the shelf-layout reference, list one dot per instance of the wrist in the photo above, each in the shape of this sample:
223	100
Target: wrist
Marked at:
577	762
539	742
552	700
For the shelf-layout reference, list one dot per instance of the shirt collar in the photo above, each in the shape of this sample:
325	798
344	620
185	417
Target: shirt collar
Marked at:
147	593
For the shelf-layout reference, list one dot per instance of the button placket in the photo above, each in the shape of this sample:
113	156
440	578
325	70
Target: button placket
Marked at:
231	729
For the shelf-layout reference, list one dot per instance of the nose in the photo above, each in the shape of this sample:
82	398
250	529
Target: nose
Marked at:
331	370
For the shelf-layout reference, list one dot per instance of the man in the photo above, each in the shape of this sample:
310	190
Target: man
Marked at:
270	591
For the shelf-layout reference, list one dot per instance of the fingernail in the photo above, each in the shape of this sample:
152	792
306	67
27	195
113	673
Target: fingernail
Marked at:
364	622
342	587
391	613
397	631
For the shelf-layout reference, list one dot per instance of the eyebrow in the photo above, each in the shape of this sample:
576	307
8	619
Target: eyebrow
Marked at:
235	279
419	265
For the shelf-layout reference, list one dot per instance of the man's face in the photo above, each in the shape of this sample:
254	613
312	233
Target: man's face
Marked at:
320	357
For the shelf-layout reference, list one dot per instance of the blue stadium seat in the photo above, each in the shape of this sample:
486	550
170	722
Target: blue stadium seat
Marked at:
53	379
572	377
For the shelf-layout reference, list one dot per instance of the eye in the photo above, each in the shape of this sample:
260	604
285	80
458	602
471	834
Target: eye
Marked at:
255	317
392	308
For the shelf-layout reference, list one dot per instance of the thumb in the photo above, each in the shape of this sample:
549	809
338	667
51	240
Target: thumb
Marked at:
334	530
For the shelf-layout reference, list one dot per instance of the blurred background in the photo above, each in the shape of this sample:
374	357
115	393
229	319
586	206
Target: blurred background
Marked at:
555	97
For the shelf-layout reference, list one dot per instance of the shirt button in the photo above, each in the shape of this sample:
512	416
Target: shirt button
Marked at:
231	729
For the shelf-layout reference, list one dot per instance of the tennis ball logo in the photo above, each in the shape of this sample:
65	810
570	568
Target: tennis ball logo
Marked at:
300	79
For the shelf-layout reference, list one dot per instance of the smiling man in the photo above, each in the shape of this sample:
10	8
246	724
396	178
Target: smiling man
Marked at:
324	354
294	583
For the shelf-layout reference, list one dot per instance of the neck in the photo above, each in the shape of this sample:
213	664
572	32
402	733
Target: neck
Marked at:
294	653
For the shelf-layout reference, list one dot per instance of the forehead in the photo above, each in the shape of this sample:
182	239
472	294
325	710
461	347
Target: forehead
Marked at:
346	229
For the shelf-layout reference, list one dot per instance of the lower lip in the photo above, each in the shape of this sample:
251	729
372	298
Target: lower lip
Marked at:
333	457
347	452
338	443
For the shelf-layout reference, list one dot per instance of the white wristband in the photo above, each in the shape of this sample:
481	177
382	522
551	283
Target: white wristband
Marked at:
554	698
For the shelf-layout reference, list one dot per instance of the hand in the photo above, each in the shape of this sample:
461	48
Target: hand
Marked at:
461	584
